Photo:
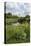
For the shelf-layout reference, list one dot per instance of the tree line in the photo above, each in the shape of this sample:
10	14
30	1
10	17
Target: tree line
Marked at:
20	20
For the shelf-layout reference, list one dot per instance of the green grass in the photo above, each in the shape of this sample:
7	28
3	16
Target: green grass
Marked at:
17	34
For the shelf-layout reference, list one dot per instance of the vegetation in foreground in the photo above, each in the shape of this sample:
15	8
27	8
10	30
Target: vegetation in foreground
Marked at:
19	33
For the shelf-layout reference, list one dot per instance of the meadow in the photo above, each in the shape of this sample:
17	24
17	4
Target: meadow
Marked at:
17	33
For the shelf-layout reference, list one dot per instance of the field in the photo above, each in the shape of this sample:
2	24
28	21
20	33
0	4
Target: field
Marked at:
17	32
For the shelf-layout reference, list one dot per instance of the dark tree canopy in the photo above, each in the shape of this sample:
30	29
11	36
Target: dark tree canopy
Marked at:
23	19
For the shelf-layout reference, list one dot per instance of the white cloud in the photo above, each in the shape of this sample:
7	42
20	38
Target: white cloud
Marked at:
18	8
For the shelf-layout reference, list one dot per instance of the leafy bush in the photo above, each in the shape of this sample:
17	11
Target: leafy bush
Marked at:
19	33
24	19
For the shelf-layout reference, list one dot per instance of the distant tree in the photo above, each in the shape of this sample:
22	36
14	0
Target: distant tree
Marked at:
9	13
27	16
23	19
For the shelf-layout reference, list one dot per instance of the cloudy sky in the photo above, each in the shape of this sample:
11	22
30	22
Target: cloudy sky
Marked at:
17	8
